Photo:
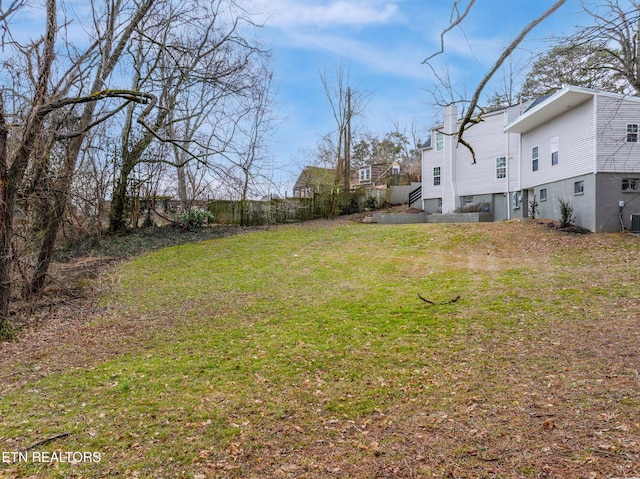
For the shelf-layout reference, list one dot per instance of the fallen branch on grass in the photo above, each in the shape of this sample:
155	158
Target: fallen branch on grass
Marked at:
45	441
438	304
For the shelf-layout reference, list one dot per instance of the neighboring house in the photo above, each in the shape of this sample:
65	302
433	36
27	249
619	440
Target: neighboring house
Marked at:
376	174
313	180
577	145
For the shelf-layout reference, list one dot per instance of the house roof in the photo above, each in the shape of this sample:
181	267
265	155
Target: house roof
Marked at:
426	144
548	107
315	176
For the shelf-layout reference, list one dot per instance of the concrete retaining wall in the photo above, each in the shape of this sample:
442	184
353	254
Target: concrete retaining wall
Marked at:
399	219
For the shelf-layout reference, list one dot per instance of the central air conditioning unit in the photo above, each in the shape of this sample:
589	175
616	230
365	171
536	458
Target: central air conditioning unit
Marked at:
635	223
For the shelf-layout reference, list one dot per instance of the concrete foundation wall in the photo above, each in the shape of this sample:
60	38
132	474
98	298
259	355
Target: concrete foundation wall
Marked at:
583	204
609	195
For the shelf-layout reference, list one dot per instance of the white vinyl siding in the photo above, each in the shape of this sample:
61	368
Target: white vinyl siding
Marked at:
489	142
432	159
572	134
615	153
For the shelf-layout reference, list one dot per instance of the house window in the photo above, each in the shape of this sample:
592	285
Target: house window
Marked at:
554	150
439	141
501	167
632	133
631	185
534	158
365	174
395	170
578	187
543	194
436	176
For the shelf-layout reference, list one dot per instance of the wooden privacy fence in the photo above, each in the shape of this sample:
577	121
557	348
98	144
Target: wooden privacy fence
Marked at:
290	210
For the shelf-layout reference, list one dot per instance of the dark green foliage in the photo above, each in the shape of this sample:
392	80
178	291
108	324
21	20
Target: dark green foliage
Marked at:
196	217
566	214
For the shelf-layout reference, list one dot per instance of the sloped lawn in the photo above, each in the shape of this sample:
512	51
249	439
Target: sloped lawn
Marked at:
305	351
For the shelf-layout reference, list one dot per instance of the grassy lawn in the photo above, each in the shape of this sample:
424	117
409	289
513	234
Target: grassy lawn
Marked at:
305	351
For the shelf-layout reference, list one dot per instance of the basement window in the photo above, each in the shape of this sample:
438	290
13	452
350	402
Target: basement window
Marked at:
578	187
543	194
631	185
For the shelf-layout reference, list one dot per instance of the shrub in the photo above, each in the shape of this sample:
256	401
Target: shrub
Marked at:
372	203
566	214
533	207
196	217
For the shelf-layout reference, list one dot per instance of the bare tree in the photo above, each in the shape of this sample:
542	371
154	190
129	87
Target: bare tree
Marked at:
199	74
473	114
42	102
612	42
346	104
95	65
252	132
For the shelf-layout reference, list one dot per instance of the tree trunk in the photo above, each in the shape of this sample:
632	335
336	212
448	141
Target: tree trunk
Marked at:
117	221
6	254
182	188
12	171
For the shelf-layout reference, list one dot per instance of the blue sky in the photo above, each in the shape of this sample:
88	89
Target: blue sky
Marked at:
383	43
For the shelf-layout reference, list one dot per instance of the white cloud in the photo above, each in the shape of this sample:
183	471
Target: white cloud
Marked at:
292	13
392	59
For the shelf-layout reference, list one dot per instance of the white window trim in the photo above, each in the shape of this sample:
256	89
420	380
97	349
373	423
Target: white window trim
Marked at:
438	176
501	169
439	141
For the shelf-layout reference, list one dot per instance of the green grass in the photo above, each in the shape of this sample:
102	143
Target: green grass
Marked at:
310	325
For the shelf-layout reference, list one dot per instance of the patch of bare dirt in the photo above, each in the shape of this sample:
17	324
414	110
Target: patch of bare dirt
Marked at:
555	224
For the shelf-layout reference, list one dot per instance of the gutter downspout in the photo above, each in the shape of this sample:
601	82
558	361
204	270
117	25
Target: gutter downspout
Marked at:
450	124
423	176
508	162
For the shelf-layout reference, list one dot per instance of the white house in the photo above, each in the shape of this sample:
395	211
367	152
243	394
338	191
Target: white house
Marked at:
577	145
